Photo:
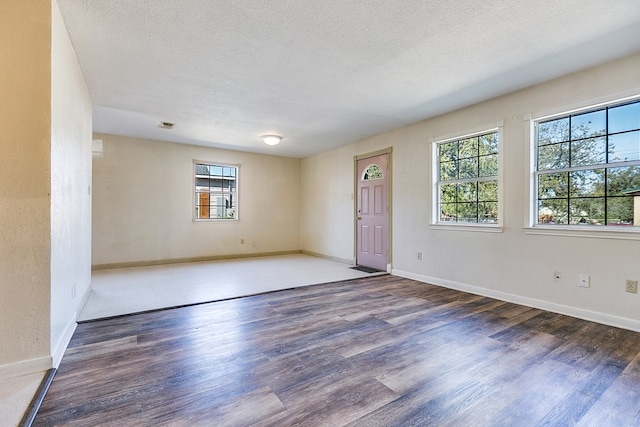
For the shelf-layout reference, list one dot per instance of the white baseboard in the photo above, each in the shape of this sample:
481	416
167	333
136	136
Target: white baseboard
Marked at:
25	367
58	351
63	343
84	300
593	316
41	364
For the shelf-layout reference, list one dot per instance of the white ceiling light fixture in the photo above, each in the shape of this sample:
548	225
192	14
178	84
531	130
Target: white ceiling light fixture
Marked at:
271	139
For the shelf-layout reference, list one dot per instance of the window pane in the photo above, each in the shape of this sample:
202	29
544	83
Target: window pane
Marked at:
624	147
202	205
467	192
467	212
488	144
215	170
215	183
553	211
553	131
488	212
448	193
469	147
588	125
448	212
553	185
448	171
587	211
553	156
469	168
489	165
587	183
622	179
448	152
222	206
202	183
591	151
488	191
373	172
624	117
620	211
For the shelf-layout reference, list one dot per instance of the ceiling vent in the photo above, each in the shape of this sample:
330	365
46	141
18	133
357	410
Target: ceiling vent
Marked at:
167	125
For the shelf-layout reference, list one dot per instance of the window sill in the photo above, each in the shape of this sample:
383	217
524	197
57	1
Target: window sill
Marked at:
480	228
210	220
585	232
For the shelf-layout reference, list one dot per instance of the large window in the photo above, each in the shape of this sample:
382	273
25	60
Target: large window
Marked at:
216	191
588	167
467	179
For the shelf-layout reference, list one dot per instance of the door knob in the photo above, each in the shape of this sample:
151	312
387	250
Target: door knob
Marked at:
359	218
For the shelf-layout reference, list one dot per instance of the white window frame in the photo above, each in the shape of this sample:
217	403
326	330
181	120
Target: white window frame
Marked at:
435	222
531	225
236	193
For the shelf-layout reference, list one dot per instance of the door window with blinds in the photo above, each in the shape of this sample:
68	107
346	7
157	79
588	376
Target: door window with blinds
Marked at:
216	191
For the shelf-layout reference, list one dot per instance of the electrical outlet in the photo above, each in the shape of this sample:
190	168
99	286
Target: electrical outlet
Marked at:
242	241
419	256
583	280
557	276
631	286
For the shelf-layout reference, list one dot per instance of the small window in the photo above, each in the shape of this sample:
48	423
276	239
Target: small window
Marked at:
372	172
587	170
216	191
467	180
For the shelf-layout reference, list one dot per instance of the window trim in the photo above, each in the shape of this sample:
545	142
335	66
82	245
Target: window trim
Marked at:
569	230
434	222
197	220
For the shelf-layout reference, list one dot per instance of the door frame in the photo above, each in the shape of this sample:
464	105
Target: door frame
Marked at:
389	151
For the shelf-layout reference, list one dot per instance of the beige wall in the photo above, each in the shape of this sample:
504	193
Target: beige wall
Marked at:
70	192
143	198
45	171
25	106
327	187
511	265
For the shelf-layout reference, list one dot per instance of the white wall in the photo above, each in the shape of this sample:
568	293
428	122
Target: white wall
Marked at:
511	265
70	191
143	203
25	106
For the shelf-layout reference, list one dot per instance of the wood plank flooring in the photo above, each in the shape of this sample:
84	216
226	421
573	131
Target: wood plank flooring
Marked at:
379	351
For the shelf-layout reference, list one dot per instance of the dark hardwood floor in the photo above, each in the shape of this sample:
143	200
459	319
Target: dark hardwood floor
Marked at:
380	351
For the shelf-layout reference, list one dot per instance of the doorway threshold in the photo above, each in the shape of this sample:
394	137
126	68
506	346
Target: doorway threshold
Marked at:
367	269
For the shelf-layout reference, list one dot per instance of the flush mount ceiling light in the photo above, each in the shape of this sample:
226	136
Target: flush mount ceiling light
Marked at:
271	139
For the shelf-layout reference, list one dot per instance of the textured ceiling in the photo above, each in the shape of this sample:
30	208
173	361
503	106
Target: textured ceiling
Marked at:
324	73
